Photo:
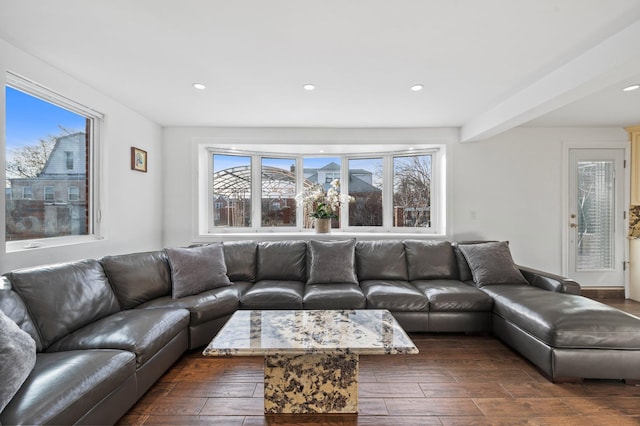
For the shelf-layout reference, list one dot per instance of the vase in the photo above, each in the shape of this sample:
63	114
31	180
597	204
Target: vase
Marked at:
322	226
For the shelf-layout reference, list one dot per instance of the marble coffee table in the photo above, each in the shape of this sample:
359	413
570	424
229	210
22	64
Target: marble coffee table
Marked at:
311	357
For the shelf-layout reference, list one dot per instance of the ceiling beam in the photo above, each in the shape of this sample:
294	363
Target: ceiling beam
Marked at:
609	62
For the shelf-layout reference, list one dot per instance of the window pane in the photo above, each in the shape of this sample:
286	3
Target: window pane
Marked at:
69	159
231	190
278	192
412	191
596	210
40	138
74	193
319	172
365	185
49	194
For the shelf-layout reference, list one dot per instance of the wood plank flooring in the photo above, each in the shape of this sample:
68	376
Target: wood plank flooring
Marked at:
455	380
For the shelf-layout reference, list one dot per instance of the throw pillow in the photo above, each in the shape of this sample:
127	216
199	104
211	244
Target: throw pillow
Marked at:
17	358
197	269
491	263
332	262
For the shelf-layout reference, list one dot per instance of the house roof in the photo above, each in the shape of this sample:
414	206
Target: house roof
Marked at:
53	167
357	185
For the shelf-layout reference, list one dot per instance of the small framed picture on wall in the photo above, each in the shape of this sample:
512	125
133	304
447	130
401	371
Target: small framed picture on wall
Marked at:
138	159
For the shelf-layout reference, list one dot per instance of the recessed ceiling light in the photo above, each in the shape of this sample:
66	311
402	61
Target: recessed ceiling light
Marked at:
632	87
417	87
309	87
199	86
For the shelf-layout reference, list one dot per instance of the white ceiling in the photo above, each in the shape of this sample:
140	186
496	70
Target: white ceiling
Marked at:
485	65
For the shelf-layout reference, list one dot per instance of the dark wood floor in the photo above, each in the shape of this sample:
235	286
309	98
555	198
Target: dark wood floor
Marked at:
455	380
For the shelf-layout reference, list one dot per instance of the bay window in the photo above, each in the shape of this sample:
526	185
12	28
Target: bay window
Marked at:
388	191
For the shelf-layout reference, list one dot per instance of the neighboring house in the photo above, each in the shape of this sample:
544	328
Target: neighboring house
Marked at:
323	175
55	202
231	208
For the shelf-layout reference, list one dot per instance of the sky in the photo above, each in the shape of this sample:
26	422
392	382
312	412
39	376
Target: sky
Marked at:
222	162
29	119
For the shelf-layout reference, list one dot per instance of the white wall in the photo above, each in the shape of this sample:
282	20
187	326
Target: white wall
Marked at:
508	187
513	185
132	201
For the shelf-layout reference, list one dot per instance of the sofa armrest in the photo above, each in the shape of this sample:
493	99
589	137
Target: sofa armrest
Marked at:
550	282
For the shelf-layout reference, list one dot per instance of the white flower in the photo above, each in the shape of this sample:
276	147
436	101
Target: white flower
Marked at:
321	204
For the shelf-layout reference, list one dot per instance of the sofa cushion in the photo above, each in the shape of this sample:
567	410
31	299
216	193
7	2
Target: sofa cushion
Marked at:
138	277
395	296
13	307
240	258
197	269
79	289
381	260
17	358
63	385
333	296
141	331
491	263
464	272
281	260
430	260
565	320
454	296
332	262
272	294
202	307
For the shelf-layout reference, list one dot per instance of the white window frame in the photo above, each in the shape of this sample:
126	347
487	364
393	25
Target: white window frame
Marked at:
26	189
344	185
94	170
68	155
205	183
76	193
49	190
299	176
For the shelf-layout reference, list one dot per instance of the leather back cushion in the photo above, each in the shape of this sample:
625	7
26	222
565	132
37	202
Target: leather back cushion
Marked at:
13	307
463	267
138	277
281	260
381	260
430	260
240	257
65	297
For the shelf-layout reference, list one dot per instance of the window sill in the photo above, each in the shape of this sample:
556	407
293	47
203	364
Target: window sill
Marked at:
306	235
30	245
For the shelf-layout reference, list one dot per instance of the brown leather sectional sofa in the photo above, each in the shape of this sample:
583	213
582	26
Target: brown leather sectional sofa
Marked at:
106	330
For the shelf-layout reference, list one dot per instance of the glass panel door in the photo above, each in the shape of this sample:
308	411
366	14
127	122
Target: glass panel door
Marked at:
596	223
596	233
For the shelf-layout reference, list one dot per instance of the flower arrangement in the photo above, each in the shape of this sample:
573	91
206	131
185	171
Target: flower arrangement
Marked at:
321	205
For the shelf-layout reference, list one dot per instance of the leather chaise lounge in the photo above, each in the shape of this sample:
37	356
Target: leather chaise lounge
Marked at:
103	331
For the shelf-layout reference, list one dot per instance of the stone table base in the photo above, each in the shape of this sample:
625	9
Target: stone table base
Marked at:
311	383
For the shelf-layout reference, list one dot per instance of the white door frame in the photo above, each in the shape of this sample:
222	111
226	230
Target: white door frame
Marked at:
566	147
